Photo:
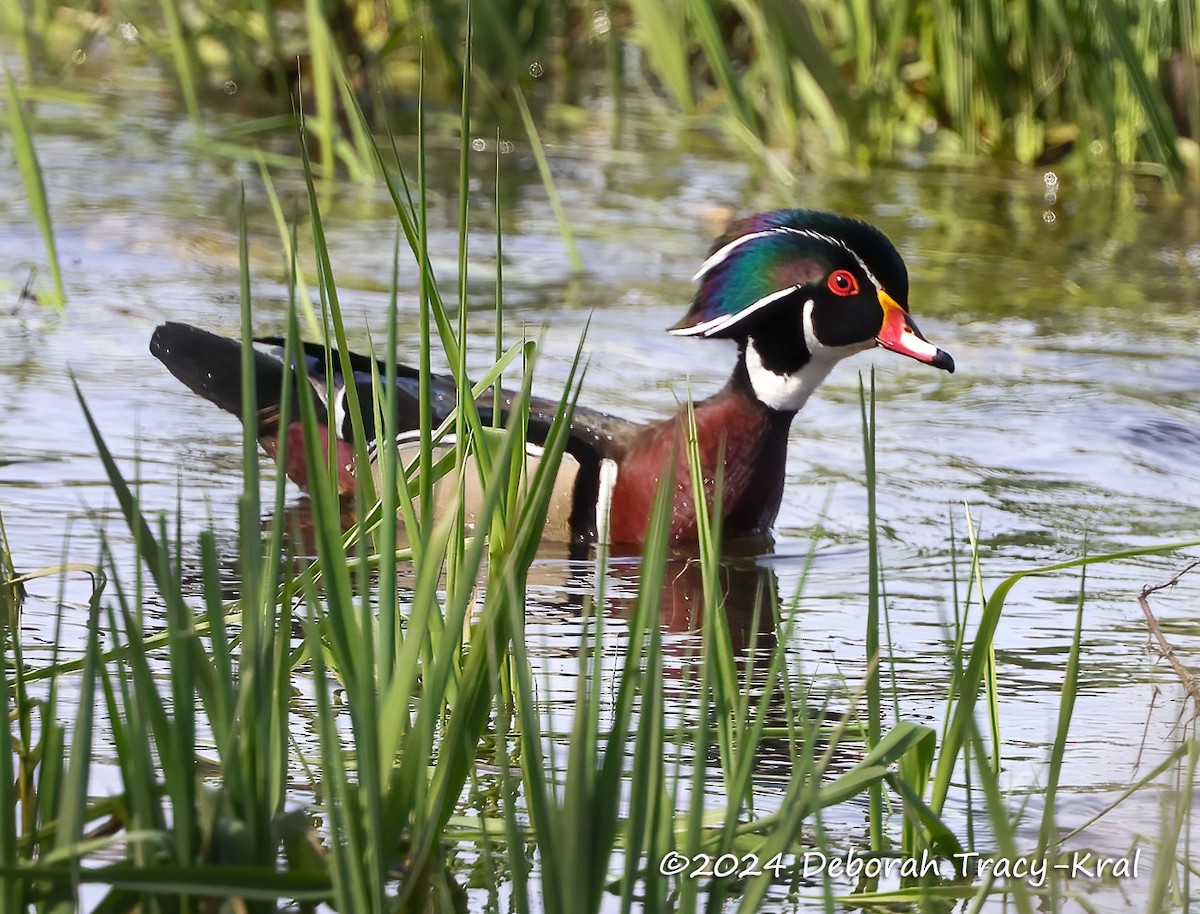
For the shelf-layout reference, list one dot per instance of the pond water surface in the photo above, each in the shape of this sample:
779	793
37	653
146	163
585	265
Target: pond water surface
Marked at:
1071	424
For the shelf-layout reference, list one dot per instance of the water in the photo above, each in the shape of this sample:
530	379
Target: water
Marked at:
1070	426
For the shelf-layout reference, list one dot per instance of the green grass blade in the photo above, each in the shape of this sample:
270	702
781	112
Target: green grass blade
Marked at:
962	715
35	185
1160	133
1048	834
871	641
543	164
661	29
181	55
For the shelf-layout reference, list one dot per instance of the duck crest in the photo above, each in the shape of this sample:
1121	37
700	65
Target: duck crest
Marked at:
771	256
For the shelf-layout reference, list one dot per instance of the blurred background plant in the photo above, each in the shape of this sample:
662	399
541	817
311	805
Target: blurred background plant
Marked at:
1096	82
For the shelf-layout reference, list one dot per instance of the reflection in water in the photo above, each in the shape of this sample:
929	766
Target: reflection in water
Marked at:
561	596
748	588
748	594
1165	434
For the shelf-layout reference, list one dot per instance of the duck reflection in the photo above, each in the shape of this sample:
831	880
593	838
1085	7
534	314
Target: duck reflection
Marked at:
747	586
561	592
747	593
559	580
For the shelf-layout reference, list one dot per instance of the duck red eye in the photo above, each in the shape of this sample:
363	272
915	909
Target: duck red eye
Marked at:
842	282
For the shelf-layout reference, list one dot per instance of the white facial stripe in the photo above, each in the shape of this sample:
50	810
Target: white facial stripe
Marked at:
716	324
608	482
720	255
871	276
789	392
709	327
810	333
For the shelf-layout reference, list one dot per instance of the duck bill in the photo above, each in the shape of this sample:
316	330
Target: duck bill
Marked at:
900	334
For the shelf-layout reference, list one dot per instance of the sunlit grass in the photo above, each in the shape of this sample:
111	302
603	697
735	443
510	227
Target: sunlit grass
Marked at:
35	185
824	83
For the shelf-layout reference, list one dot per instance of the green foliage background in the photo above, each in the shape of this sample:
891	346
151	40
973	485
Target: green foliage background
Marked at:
803	84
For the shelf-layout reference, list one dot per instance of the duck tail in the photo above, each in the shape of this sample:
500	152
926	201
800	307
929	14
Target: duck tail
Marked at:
211	366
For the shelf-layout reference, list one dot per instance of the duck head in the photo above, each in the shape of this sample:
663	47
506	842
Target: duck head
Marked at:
799	291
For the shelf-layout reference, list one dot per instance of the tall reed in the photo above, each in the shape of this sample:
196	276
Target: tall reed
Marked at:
1103	82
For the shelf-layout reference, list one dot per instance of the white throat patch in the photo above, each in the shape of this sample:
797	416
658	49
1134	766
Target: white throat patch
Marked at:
789	392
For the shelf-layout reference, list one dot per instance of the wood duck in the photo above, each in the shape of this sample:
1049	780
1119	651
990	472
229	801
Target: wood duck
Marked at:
797	290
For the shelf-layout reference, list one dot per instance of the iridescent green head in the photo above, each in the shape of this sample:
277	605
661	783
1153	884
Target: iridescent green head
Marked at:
794	286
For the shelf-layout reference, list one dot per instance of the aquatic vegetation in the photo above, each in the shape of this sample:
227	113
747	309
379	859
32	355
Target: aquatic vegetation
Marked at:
35	188
420	742
1099	82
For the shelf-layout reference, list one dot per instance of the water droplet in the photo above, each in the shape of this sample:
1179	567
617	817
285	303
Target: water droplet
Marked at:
536	70
1097	147
128	32
1050	179
230	87
79	57
601	23
1049	218
1049	198
479	144
506	147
